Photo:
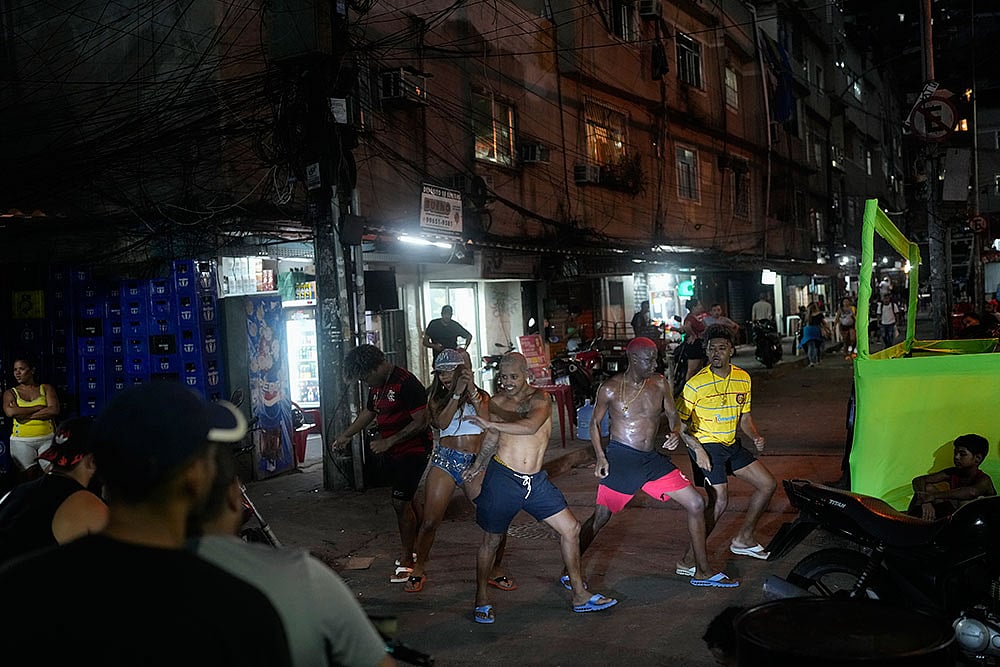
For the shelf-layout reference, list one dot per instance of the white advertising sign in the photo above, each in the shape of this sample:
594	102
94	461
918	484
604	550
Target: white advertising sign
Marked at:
441	211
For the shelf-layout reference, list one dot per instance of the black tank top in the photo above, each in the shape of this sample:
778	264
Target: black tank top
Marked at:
26	514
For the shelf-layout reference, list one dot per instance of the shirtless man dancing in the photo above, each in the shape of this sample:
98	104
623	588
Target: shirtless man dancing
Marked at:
636	400
515	481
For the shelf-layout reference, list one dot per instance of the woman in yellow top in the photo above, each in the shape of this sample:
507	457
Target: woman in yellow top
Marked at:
32	406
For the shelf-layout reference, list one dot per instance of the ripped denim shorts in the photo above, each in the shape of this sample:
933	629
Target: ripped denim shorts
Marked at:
452	462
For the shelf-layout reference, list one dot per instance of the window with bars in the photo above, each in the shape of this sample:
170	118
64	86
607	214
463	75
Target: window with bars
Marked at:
687	174
493	124
688	60
732	88
607	133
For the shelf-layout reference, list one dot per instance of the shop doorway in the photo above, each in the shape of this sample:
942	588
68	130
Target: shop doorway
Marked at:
464	301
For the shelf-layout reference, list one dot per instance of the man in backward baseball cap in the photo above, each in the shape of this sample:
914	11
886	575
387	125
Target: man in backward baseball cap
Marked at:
149	431
158	603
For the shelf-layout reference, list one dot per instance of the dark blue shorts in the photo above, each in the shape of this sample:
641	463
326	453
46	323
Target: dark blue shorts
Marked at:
404	473
726	459
505	493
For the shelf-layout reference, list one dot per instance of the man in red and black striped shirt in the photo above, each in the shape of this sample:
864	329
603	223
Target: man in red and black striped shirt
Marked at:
398	402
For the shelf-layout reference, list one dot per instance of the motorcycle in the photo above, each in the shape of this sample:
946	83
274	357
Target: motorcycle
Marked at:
577	370
491	367
767	342
949	567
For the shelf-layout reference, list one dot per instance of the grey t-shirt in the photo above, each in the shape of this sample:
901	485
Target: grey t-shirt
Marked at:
324	623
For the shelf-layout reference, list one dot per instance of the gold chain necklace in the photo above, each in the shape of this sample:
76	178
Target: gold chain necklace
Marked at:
625	403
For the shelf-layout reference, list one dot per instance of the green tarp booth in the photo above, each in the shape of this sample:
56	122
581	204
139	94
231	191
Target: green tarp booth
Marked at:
916	397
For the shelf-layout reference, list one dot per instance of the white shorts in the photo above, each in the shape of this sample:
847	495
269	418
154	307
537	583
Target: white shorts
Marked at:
25	451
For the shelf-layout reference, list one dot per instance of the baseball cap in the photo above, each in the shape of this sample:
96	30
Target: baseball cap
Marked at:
448	360
148	430
70	443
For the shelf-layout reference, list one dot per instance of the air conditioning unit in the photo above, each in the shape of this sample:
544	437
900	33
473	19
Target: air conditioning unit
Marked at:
402	86
531	153
649	9
586	173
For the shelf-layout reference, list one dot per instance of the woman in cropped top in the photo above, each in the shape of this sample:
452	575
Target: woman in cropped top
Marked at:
452	399
33	407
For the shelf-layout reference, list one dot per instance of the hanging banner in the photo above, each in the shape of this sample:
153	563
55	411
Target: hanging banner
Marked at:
441	211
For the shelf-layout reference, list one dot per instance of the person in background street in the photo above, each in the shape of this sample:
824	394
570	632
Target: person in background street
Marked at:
636	400
398	403
715	316
452	399
56	508
322	618
132	595
814	333
515	481
974	326
32	407
714	403
442	333
641	324
847	323
694	327
762	309
888	312
940	493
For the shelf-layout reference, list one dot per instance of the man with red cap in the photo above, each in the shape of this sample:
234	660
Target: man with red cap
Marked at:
636	400
57	507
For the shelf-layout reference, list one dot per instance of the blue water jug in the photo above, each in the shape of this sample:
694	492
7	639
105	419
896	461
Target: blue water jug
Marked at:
583	415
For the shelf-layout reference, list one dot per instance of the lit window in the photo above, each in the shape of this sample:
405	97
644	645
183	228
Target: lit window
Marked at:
868	162
493	124
687	174
732	88
688	60
606	133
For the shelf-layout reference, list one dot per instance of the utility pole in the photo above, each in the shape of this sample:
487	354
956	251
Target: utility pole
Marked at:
978	278
937	235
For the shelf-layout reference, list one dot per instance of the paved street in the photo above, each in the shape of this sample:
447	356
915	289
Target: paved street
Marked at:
660	617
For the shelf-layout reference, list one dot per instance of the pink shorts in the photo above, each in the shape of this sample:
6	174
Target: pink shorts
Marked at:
660	489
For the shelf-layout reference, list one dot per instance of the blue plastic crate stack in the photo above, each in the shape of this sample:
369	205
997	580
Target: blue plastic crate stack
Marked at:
108	337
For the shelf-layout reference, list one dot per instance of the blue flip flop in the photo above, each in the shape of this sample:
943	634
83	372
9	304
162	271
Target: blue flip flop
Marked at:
593	605
487	614
567	584
717	580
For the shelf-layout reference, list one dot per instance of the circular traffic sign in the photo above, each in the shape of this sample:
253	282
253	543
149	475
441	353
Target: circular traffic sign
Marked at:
977	224
934	118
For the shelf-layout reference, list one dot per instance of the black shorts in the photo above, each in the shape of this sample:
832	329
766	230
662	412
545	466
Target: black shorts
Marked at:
695	350
404	473
726	459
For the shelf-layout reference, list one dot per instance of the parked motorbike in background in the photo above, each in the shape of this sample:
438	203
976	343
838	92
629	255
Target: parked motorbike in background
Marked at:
491	367
767	342
949	567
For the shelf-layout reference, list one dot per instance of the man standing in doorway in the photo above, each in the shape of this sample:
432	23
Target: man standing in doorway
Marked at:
442	333
398	402
641	322
762	309
715	402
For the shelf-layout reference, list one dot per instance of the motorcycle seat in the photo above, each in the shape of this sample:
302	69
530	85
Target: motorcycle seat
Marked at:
878	518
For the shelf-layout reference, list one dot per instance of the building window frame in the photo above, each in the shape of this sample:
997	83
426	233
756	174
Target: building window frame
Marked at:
607	132
493	127
732	84
689	60
741	193
688	183
621	20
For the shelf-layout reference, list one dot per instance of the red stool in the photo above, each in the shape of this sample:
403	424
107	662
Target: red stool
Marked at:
563	394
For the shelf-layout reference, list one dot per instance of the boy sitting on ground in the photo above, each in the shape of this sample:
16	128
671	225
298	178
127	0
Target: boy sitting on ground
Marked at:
938	494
